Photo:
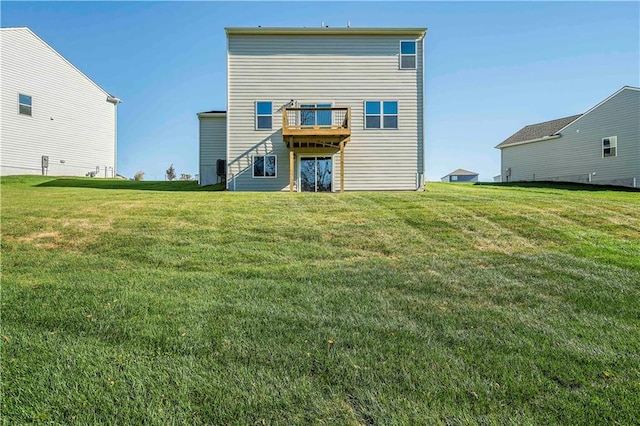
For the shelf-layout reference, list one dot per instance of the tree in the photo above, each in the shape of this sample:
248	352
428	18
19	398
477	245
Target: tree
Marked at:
171	173
139	175
185	176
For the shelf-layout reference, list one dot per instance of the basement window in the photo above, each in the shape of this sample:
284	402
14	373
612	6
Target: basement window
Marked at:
610	146
24	104
408	55
264	115
264	166
381	114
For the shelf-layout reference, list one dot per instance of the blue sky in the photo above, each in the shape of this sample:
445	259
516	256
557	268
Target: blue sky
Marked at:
490	67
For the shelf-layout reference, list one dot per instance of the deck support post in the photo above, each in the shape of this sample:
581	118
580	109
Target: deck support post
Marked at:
342	166
291	166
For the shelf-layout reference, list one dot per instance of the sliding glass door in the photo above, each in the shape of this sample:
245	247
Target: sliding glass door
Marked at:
316	174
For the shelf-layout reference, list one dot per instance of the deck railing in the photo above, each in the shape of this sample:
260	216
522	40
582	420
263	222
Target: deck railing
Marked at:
316	120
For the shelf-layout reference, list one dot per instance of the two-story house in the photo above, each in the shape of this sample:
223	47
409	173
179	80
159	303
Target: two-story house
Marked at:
55	119
601	146
318	109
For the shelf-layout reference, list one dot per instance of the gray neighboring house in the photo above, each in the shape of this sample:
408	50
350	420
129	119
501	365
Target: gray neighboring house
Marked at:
319	109
460	175
55	120
601	146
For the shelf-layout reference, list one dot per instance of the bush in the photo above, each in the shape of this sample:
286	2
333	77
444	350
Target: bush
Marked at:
139	175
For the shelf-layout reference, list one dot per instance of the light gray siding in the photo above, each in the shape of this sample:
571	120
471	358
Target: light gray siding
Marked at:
72	122
213	140
344	70
578	152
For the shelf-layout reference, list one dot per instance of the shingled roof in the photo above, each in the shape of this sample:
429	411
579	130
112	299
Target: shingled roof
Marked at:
538	131
461	172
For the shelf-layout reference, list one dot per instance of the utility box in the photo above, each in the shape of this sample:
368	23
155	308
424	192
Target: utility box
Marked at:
221	170
45	164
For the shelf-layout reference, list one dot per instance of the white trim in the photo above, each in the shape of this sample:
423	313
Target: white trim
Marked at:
606	100
400	54
256	115
263	177
542	139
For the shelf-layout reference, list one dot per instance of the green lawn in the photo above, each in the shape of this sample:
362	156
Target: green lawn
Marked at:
158	303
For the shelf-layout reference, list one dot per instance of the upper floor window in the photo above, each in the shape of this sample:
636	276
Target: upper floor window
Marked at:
24	104
610	146
381	114
264	166
264	115
408	55
315	115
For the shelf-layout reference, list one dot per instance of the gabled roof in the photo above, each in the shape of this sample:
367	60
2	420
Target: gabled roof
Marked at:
110	97
461	172
551	129
538	131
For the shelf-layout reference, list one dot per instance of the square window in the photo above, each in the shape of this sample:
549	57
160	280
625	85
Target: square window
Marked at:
264	166
381	115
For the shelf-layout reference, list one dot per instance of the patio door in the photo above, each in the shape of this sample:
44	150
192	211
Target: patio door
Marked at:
314	117
316	174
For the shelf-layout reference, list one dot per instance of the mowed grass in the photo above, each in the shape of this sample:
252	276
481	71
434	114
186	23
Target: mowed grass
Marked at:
463	304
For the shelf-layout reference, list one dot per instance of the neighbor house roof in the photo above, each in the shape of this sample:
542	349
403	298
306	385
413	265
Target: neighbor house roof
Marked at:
551	129
461	172
324	31
538	131
215	113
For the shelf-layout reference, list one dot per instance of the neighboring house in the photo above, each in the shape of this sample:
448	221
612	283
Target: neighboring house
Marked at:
497	178
319	109
601	146
55	120
460	175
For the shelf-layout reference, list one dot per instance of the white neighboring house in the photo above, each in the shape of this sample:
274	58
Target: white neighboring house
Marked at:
601	146
319	109
54	119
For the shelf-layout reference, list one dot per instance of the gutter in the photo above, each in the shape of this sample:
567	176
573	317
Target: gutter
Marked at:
542	139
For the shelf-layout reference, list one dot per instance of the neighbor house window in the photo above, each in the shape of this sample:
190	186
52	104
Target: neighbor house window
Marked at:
408	55
610	146
454	178
264	166
24	104
381	114
264	115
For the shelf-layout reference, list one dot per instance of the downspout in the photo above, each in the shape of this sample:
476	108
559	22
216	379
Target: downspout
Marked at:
115	101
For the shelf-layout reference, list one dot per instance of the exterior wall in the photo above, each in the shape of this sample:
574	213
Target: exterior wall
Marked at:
578	152
72	122
345	70
213	146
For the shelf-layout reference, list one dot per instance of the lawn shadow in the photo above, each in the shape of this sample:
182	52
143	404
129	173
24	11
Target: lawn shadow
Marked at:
561	185
178	185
